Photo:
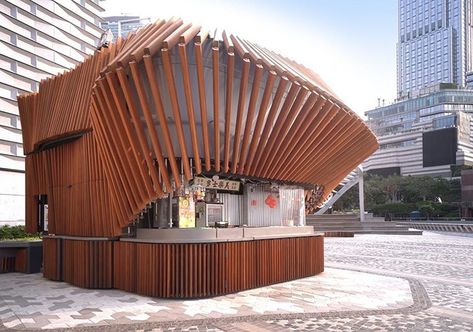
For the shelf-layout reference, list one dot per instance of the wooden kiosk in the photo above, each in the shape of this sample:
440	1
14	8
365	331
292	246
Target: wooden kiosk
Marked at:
180	164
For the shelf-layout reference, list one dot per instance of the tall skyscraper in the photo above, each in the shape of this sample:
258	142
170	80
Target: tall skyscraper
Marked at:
429	129
122	25
37	39
435	44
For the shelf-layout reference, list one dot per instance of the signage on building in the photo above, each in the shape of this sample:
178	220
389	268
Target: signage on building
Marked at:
218	184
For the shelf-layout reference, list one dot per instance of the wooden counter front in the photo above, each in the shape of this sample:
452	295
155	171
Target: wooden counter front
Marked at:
183	270
190	270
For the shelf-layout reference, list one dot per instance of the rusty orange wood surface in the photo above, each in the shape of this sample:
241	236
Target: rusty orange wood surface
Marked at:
87	264
73	177
84	263
167	103
211	269
21	260
52	259
181	270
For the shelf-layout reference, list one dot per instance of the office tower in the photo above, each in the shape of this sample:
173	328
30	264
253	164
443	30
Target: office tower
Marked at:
37	39
427	131
435	40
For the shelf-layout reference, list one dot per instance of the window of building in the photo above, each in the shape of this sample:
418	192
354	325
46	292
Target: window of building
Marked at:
446	122
13	39
13	93
397	144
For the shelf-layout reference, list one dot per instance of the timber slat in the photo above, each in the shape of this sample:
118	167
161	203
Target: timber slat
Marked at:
171	101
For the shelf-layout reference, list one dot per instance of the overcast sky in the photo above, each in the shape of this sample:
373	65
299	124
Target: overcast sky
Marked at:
351	44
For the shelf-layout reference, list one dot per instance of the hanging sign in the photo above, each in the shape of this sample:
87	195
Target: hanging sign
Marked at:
220	184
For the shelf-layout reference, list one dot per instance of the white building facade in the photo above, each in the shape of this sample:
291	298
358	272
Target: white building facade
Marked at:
38	38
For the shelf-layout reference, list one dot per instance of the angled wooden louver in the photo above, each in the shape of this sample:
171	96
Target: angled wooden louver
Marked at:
172	101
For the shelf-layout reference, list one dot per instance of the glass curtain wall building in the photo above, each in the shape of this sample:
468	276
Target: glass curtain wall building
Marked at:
427	131
120	26
427	135
37	39
434	44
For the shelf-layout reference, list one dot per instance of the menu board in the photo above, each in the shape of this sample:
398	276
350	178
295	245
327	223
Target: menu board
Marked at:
219	184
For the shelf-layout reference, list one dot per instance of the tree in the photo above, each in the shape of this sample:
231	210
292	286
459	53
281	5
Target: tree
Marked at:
348	201
427	210
374	192
393	185
396	195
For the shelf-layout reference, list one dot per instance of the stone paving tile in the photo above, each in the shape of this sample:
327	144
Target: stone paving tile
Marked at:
409	283
455	272
396	322
451	296
53	307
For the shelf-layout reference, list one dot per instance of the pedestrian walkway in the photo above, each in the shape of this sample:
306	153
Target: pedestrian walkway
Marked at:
371	282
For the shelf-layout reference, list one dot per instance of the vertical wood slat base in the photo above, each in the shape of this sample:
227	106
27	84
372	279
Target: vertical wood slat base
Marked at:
183	270
84	263
21	260
7	264
52	261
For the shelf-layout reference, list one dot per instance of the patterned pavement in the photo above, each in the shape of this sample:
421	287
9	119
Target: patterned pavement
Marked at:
371	282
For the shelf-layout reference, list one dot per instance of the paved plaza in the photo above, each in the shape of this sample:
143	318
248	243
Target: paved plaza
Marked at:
371	282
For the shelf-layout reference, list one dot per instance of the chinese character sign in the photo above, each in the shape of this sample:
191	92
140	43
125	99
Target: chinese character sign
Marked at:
220	184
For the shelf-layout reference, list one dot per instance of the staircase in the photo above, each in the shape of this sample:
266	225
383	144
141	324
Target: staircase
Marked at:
350	223
439	226
349	181
341	225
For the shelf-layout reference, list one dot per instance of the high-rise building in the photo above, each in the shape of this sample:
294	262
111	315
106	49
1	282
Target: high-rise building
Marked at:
435	44
427	135
122	25
428	130
38	39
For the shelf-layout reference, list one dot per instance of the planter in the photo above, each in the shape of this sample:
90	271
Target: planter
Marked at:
21	256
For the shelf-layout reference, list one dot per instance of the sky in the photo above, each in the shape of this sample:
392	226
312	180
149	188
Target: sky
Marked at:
351	44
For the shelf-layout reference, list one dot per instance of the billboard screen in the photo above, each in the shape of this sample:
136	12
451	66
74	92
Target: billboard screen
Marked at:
439	147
